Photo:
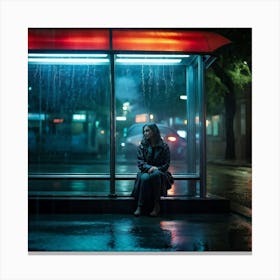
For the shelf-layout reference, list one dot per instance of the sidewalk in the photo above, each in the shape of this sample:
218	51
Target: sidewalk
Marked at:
231	163
123	233
232	180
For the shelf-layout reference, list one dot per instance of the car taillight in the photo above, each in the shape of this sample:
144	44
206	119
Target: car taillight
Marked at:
171	138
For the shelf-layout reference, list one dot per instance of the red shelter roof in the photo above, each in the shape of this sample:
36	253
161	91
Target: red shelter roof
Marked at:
160	40
124	40
68	39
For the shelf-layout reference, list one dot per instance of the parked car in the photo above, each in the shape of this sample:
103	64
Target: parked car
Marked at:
177	144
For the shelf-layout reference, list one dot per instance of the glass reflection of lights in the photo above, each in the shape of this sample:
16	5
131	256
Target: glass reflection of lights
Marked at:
79	117
183	97
182	133
171	138
121	118
36	117
78	185
126	106
196	241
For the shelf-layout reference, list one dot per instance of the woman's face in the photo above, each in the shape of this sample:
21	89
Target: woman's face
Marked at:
148	134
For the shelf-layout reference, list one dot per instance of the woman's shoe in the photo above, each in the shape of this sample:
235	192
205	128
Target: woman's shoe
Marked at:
155	211
137	212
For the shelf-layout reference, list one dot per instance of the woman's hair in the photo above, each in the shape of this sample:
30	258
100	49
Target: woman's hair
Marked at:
156	133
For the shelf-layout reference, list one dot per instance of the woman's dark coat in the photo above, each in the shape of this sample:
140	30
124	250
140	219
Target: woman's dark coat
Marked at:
161	159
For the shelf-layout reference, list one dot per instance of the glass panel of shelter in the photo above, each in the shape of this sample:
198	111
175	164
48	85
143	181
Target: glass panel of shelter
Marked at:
69	119
68	122
161	89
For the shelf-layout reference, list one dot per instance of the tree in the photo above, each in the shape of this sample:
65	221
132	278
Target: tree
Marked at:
229	74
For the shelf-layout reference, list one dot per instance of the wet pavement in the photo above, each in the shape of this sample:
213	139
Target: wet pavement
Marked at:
233	182
126	233
190	232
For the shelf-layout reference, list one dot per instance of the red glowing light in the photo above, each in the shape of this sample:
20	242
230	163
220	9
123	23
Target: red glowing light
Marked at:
68	39
172	138
58	120
160	40
124	40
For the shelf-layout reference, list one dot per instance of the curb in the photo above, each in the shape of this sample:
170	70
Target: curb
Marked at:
241	210
230	163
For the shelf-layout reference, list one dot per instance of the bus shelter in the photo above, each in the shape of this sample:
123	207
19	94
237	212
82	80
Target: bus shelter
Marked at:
90	91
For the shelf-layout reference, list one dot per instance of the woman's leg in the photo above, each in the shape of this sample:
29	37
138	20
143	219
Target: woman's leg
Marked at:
155	180
143	192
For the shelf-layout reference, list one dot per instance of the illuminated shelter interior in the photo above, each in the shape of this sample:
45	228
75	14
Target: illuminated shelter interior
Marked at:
91	90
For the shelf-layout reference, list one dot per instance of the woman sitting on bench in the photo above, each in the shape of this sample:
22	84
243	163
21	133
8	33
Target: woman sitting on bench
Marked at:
153	179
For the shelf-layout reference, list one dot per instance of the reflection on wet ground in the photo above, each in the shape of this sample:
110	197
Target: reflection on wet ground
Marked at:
126	233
